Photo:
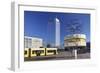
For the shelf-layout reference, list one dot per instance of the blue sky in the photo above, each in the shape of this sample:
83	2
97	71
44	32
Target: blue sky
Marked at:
42	24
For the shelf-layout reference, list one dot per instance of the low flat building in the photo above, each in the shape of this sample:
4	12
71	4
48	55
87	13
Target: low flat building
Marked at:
32	42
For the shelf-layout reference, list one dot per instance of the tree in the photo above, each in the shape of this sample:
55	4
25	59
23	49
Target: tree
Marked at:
48	45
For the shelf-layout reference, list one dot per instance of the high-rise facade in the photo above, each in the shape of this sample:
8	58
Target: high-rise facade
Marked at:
57	34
